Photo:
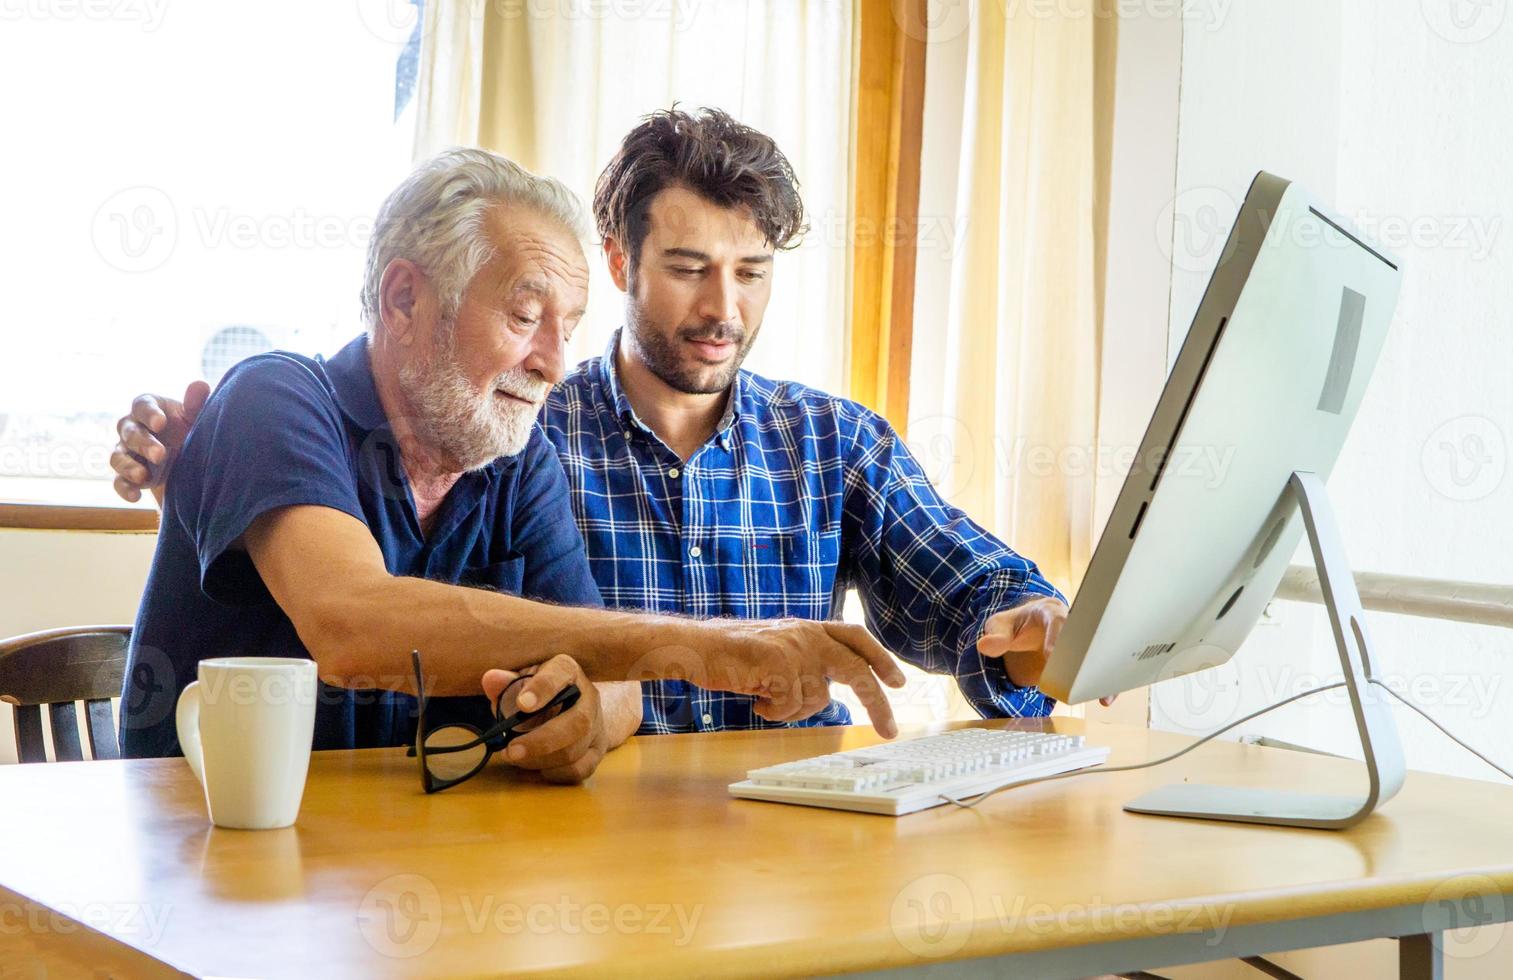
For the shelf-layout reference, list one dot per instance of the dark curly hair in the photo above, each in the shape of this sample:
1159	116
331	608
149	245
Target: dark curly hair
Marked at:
708	152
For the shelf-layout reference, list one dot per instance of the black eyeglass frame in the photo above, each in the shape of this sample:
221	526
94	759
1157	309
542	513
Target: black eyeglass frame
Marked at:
500	734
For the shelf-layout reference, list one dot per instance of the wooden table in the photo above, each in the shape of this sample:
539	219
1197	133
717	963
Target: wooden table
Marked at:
652	869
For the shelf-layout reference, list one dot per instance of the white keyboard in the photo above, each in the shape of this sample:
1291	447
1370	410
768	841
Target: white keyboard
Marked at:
917	773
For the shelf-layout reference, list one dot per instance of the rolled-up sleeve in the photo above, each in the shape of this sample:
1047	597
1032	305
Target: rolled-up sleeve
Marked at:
929	576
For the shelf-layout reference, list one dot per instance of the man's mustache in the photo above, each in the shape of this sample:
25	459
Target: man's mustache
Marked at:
715	335
522	385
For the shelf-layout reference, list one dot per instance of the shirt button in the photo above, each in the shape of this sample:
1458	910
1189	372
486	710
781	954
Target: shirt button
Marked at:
673	472
695	551
708	719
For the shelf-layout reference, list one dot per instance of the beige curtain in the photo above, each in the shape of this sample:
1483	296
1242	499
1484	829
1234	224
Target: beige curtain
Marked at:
474	84
1006	420
556	87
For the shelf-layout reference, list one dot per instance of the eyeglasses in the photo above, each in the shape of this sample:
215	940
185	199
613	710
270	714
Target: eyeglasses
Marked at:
456	752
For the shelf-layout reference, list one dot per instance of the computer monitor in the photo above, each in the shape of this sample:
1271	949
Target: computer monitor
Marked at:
1228	478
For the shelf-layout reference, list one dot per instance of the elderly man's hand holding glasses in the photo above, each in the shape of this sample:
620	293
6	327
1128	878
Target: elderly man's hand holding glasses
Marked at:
547	719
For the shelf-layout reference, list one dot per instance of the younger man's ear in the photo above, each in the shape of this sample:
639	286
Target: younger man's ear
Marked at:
619	263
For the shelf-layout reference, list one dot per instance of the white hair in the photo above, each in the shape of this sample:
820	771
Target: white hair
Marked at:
435	219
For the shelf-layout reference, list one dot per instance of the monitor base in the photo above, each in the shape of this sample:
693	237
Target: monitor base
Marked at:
1382	748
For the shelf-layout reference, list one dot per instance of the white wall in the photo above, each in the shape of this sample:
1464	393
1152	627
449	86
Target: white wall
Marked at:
1400	119
56	578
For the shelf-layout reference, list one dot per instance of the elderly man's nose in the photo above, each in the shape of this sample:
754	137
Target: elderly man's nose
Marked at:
548	357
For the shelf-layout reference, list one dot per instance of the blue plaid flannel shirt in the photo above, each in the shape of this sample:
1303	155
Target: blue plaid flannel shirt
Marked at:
797	497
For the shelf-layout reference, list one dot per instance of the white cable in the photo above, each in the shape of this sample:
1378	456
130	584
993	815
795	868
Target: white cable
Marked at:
1442	729
1213	735
1143	765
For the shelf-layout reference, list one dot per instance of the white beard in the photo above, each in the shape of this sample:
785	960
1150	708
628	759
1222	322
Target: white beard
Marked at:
474	428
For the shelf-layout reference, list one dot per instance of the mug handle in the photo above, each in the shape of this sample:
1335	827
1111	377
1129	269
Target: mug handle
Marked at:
187	721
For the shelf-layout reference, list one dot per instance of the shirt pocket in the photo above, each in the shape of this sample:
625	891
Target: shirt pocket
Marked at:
502	576
790	573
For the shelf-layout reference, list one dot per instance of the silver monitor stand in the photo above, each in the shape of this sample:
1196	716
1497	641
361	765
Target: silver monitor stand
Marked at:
1373	716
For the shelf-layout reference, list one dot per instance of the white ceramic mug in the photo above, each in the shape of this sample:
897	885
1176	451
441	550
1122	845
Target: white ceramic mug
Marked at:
245	727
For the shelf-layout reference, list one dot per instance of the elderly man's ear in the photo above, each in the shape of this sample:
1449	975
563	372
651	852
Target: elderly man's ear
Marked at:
399	297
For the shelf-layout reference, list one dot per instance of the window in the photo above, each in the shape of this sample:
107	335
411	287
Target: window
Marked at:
212	201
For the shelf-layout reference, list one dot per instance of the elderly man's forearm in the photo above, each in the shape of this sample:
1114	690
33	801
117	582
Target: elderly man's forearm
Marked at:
364	637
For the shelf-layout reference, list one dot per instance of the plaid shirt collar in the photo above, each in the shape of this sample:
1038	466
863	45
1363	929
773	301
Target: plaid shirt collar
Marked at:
606	376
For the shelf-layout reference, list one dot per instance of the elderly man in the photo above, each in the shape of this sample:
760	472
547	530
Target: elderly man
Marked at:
707	490
400	496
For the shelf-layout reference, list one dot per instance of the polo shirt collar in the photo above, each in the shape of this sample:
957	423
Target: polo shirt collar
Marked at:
614	394
351	373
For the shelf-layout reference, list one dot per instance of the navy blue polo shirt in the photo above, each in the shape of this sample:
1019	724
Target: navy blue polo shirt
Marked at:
281	430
